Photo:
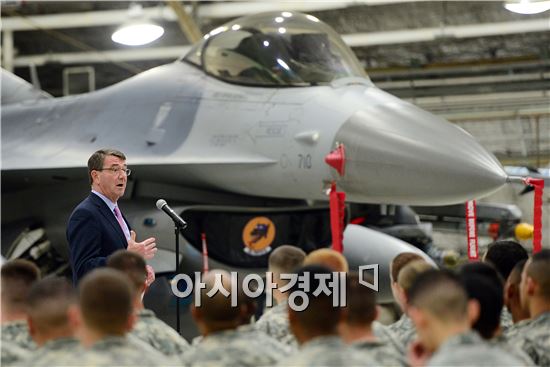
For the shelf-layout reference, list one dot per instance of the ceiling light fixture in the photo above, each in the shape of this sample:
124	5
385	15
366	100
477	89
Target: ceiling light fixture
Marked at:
138	30
528	6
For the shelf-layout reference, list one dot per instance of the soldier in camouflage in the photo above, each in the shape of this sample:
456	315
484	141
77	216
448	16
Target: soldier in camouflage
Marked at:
105	309
441	311
274	322
223	344
534	335
484	285
48	306
316	327
17	278
356	325
404	329
148	327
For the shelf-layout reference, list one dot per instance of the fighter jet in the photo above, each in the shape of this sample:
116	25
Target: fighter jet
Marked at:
242	125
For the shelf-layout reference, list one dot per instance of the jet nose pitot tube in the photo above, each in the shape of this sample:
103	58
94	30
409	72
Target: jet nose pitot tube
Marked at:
397	153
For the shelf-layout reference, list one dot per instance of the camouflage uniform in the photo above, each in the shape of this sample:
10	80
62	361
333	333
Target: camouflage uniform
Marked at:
506	320
469	349
381	352
111	351
54	350
159	335
327	351
235	347
534	338
17	332
12	353
384	334
275	324
517	329
503	343
404	330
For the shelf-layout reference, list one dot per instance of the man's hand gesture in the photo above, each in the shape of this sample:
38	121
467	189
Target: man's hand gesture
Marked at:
146	248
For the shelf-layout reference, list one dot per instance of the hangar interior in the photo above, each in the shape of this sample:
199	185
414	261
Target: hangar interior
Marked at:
474	63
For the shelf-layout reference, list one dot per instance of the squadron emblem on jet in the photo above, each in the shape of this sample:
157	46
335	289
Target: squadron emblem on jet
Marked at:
258	235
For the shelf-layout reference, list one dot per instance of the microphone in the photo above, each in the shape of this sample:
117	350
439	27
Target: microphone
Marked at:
162	205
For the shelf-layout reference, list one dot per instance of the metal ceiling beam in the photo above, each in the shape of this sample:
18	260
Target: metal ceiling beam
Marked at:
220	10
187	24
353	40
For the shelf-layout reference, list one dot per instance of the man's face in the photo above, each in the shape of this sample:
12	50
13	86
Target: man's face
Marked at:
109	183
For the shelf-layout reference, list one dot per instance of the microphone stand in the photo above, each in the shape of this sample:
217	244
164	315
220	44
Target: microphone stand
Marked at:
177	229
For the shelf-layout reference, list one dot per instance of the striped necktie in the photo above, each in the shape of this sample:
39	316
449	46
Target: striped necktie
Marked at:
118	216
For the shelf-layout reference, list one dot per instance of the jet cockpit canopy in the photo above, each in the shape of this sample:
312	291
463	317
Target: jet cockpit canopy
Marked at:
280	49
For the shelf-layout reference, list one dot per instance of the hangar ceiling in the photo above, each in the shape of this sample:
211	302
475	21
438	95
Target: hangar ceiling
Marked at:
473	62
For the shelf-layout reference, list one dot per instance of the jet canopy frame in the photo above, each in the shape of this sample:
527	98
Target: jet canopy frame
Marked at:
276	49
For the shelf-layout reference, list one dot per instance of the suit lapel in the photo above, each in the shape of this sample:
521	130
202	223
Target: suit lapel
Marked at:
106	212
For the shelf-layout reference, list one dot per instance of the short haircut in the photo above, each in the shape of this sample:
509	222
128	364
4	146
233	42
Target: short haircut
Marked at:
539	269
410	272
48	302
515	276
17	278
484	284
105	297
319	315
286	259
216	310
329	258
95	162
441	294
361	301
400	261
504	255
131	264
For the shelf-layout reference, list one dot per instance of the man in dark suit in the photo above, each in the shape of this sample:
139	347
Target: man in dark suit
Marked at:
97	227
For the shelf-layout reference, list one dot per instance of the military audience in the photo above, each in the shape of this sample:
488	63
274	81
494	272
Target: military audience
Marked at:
495	312
18	276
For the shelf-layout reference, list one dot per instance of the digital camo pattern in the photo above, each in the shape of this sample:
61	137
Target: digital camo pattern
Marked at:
468	349
381	352
54	351
274	323
533	336
233	348
327	351
12	353
112	351
17	332
404	330
158	334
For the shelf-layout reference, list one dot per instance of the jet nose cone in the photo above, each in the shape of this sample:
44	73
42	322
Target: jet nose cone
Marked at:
398	153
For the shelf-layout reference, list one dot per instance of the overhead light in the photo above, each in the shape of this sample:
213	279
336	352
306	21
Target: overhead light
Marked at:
137	31
528	6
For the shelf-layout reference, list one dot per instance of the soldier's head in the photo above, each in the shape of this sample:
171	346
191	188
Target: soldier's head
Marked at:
484	285
398	263
360	310
439	307
406	278
314	315
108	173
284	260
329	258
215	312
105	300
535	283
133	265
18	276
504	255
512	293
48	304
